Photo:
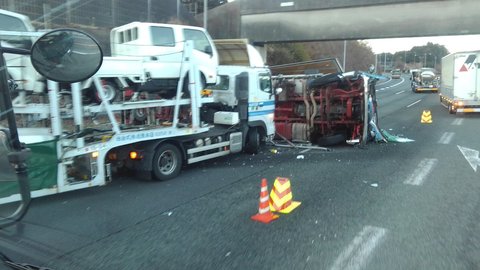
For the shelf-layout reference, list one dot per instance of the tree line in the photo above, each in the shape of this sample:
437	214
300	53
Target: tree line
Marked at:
359	55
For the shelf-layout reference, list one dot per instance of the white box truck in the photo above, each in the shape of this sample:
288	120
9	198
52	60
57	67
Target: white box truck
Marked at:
460	86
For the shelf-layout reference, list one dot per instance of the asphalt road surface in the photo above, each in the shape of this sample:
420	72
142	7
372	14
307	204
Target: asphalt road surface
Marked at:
409	205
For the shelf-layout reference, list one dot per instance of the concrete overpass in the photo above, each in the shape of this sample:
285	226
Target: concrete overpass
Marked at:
270	21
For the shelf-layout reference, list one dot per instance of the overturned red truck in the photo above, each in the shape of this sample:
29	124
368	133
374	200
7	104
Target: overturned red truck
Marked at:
323	105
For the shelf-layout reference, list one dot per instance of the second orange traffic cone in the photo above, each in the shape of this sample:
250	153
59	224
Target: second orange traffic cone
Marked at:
281	198
264	214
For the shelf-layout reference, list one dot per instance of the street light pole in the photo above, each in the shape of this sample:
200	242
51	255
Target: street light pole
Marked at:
384	62
205	18
178	9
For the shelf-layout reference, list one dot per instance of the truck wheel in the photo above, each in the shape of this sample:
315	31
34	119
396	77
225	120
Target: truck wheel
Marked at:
450	110
253	141
186	82
167	162
332	139
111	92
139	115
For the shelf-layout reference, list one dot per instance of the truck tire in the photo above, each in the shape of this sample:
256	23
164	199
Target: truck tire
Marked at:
110	90
253	141
167	162
331	140
186	82
450	110
139	115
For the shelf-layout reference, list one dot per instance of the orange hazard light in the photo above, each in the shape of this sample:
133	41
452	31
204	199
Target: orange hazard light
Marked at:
134	155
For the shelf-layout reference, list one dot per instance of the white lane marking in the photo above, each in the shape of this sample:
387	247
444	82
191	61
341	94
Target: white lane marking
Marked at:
421	172
389	79
457	122
414	103
357	253
446	138
304	151
471	155
398	93
393	85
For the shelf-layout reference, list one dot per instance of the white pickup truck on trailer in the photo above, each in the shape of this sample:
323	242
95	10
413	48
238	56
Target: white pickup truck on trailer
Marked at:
148	55
460	82
158	48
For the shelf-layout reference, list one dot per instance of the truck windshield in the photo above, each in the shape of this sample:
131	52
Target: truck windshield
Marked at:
200	40
9	23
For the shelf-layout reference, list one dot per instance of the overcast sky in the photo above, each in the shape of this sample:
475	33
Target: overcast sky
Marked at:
452	43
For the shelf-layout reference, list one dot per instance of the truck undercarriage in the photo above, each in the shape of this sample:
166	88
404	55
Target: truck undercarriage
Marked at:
326	109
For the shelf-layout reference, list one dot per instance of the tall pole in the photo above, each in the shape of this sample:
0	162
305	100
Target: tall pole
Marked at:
344	53
178	9
425	60
114	12
404	60
205	18
149	7
384	62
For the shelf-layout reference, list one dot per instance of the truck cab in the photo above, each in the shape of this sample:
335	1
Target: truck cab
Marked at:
247	90
162	45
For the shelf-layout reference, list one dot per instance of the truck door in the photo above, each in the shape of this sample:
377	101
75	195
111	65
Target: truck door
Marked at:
261	102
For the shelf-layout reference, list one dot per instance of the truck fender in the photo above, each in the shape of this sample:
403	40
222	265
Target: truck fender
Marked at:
261	127
149	149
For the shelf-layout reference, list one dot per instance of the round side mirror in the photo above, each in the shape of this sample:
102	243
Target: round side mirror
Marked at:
66	55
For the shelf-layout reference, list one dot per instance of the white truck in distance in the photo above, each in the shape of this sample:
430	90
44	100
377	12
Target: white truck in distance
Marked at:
460	82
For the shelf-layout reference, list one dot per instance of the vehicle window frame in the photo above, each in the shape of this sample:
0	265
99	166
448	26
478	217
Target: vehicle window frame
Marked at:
223	83
161	36
187	33
261	78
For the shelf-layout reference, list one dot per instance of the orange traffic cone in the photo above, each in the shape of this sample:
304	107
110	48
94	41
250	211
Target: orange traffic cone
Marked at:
264	215
281	198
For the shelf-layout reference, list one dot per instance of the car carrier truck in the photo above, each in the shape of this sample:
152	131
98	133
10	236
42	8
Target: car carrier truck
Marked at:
460	82
77	145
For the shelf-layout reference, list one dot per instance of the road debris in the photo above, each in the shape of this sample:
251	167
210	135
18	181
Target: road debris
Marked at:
168	213
395	138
